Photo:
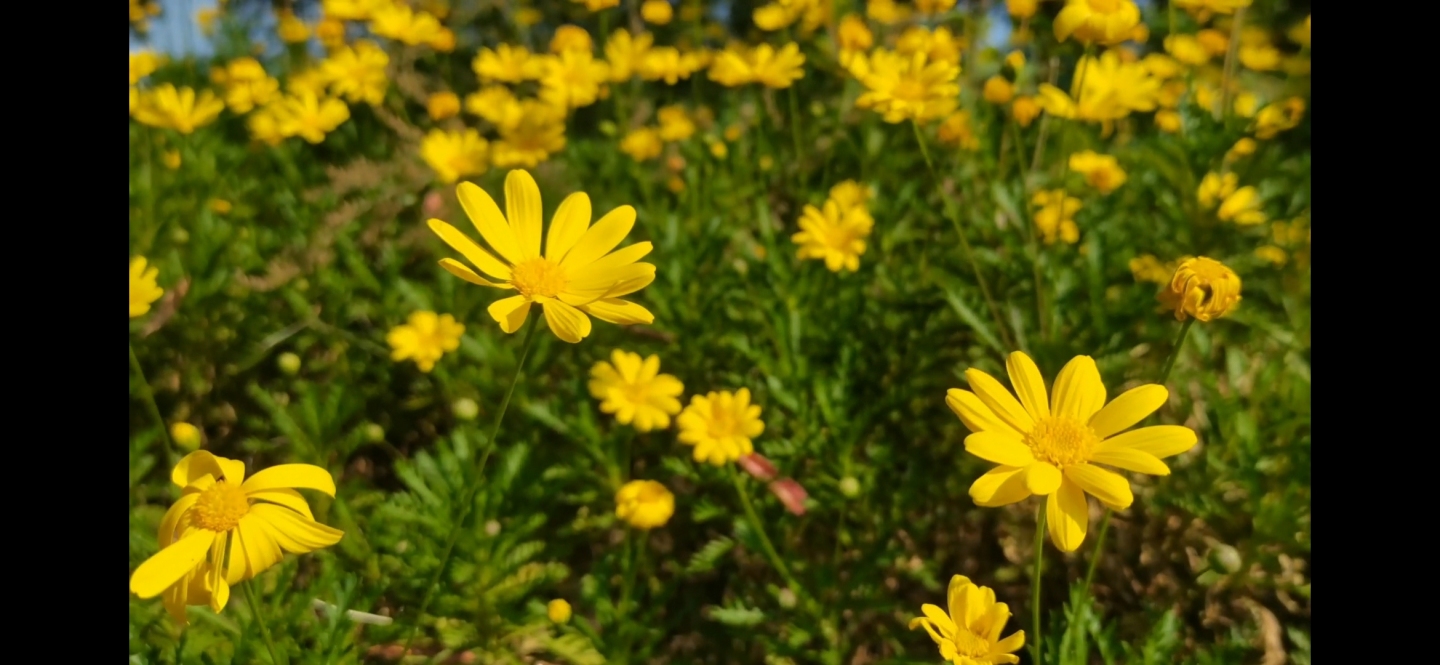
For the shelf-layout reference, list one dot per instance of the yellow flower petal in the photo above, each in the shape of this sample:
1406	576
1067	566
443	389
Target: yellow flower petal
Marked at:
522	202
1109	487
1132	460
284	497
612	283
510	312
472	252
1160	440
172	518
458	269
973	605
940	620
195	466
600	238
1001	402
1067	516
170	564
617	259
1010	644
1042	478
1079	392
569	224
1000	486
488	220
1132	406
956	597
1029	385
304	476
255	545
999	448
294	533
568	323
976	416
620	312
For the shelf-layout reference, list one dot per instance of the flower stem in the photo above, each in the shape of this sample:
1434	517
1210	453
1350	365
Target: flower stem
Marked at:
1029	227
1099	549
759	528
634	554
154	409
259	618
1035	582
468	501
1175	352
964	242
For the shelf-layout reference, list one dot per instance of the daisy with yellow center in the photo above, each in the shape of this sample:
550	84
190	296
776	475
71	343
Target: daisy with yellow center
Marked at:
454	155
401	23
642	144
1055	216
1097	21
310	117
578	273
625	53
738	65
144	63
571	38
1203	288
572	79
530	132
505	63
909	87
854	38
358	72
255	520
721	425
836	234
1050	446
425	338
635	390
179	109
970	633
644	504
143	289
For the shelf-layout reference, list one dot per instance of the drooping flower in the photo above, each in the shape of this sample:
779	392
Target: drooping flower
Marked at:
255	520
1102	172
720	425
835	234
911	87
454	155
1050	445
578	274
635	390
644	504
143	287
358	72
1203	288
1104	22
425	338
970	633
179	109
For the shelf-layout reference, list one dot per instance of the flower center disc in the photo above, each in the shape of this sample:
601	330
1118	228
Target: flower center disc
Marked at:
538	277
220	507
969	644
1061	441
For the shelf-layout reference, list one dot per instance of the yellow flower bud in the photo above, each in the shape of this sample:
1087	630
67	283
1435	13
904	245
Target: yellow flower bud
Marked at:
558	610
1203	288
186	436
998	90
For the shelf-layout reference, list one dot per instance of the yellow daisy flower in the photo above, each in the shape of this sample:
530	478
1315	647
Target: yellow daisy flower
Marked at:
530	132
1055	216
970	633
572	79
1102	172
1097	21
425	338
310	117
571	38
635	390
910	87
454	155
1050	446
179	109
642	144
1203	288
577	275
644	504
506	63
1243	207
143	289
357	72
442	105
626	54
720	425
836	234
219	510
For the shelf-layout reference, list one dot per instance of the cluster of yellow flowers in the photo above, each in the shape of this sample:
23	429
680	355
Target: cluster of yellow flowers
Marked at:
837	231
917	81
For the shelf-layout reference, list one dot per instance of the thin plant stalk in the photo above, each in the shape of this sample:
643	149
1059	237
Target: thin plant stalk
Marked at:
759	529
964	242
1099	549
259	618
1040	309
1035	583
468	502
1230	62
1175	352
153	408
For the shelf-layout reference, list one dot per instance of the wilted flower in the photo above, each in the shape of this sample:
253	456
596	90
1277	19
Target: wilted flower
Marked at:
1203	288
758	466
791	494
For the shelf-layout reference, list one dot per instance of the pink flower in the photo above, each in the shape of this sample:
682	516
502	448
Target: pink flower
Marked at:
756	465
791	494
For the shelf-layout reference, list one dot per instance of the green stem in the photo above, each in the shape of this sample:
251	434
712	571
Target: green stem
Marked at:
634	554
795	123
1029	225
468	502
154	408
1175	352
259	618
1099	550
964	242
759	528
1035	583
